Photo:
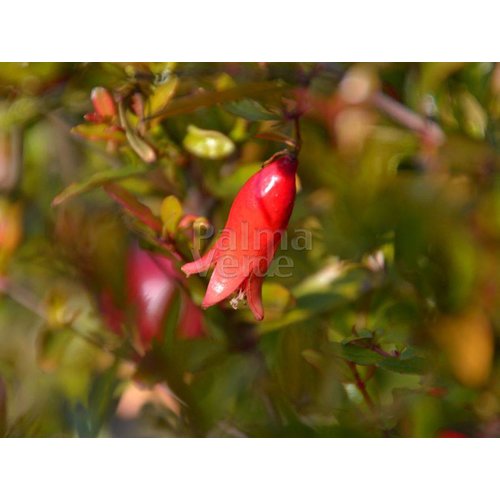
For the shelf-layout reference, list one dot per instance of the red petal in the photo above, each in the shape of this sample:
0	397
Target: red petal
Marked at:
201	265
226	279
254	296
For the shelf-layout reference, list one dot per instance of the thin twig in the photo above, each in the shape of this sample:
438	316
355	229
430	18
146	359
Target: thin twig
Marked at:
298	135
430	130
361	385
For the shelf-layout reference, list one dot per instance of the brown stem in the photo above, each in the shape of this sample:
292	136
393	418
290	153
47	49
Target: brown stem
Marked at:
298	136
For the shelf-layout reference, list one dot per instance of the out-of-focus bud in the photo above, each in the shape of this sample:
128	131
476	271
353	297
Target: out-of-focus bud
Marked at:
102	123
103	102
150	289
151	282
468	343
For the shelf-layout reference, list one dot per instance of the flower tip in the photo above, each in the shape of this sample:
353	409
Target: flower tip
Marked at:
258	316
207	303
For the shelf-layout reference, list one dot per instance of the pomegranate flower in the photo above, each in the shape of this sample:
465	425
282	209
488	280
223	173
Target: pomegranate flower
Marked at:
257	220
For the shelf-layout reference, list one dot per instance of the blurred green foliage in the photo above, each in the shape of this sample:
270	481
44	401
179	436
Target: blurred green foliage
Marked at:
389	322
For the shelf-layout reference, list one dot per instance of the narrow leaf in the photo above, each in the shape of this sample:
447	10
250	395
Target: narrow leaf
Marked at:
251	110
191	103
360	355
415	365
133	206
276	137
162	95
99	132
95	181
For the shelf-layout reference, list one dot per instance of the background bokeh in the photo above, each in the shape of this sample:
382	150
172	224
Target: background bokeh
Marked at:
389	324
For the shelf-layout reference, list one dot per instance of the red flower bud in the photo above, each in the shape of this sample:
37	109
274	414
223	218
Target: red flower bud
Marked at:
257	219
103	102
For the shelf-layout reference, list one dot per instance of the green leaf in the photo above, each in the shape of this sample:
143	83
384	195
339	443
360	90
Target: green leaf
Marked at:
162	95
96	181
360	355
209	144
98	132
171	213
191	103
415	365
251	110
362	334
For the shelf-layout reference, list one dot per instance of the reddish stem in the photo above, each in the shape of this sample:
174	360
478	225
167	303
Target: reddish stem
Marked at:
361	385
